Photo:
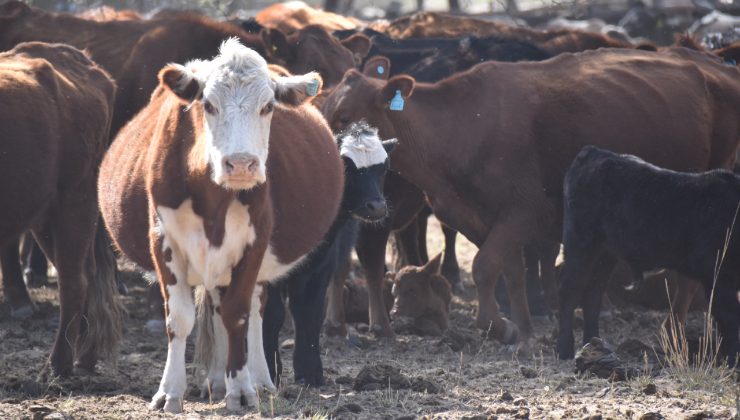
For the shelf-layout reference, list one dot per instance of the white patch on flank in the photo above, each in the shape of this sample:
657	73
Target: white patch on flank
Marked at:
180	321
216	379
237	386
256	361
364	150
205	264
272	269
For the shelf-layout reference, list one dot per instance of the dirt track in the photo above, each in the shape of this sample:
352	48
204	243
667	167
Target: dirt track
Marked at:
481	380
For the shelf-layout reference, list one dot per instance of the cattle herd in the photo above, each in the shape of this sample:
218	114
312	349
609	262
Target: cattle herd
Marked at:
242	161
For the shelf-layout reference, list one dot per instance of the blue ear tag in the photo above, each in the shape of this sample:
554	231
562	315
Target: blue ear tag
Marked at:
731	62
380	70
397	102
312	89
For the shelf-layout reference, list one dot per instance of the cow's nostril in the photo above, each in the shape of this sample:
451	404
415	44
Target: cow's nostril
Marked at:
253	165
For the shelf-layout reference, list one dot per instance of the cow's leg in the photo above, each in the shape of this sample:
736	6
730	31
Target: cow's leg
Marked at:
371	253
21	306
407	245
256	360
680	303
548	252
215	383
67	239
179	317
306	297
574	273
422	222
274	318
450	267
726	312
592	294
488	264
335	316
236	307
516	285
35	265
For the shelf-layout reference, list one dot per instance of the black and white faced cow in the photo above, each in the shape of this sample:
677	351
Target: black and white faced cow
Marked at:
185	191
365	159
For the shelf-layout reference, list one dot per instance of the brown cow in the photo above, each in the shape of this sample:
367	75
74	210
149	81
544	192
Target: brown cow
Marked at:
108	42
423	295
490	146
188	188
55	106
293	15
107	13
191	37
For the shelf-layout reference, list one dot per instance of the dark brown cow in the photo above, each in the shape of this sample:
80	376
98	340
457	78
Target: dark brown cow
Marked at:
422	294
108	42
441	25
55	106
490	146
188	188
294	15
191	37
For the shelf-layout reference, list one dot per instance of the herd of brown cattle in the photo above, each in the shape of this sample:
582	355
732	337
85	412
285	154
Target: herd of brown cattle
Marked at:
97	118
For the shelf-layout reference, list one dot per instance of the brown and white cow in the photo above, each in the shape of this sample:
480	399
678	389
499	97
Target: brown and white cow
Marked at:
490	146
55	113
188	188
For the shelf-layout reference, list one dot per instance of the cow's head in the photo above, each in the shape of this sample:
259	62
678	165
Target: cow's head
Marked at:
421	291
237	94
365	159
359	97
314	49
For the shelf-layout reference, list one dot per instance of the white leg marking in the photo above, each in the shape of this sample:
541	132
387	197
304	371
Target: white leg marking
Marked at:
239	385
217	365
256	361
180	320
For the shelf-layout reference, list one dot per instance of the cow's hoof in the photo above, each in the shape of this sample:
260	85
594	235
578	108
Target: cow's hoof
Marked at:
566	348
24	312
382	332
511	332
234	402
158	401
173	406
335	330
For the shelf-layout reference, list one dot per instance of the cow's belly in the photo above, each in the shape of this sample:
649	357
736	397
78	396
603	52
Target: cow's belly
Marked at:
203	262
209	265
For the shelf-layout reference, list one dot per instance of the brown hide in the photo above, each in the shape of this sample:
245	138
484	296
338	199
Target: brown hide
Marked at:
305	175
490	146
290	18
107	13
198	37
423	295
55	111
108	42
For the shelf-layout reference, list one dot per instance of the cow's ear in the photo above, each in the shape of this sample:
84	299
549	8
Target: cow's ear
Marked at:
13	9
378	67
276	45
389	145
402	86
182	82
295	90
433	266
359	44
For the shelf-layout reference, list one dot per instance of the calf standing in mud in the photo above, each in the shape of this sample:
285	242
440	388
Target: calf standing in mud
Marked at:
187	180
619	206
365	160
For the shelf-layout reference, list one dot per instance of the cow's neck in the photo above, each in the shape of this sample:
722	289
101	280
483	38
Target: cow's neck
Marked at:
424	151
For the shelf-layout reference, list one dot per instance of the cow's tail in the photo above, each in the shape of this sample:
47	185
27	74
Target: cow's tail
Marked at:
204	323
103	322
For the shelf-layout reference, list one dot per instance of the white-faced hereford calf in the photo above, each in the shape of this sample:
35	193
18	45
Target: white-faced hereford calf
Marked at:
494	170
186	190
55	113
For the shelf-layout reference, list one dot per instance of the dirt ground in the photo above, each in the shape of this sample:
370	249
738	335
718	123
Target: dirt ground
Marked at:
461	376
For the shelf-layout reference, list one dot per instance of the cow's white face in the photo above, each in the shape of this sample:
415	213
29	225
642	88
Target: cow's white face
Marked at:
238	94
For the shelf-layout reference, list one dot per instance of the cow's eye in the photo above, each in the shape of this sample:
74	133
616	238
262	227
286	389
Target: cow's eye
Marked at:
209	108
267	109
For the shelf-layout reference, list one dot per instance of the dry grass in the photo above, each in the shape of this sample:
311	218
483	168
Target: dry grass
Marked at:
704	370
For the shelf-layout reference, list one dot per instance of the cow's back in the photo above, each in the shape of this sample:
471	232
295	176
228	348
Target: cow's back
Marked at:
55	110
306	177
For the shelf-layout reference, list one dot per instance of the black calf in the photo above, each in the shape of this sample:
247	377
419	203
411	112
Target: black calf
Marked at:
366	161
618	206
